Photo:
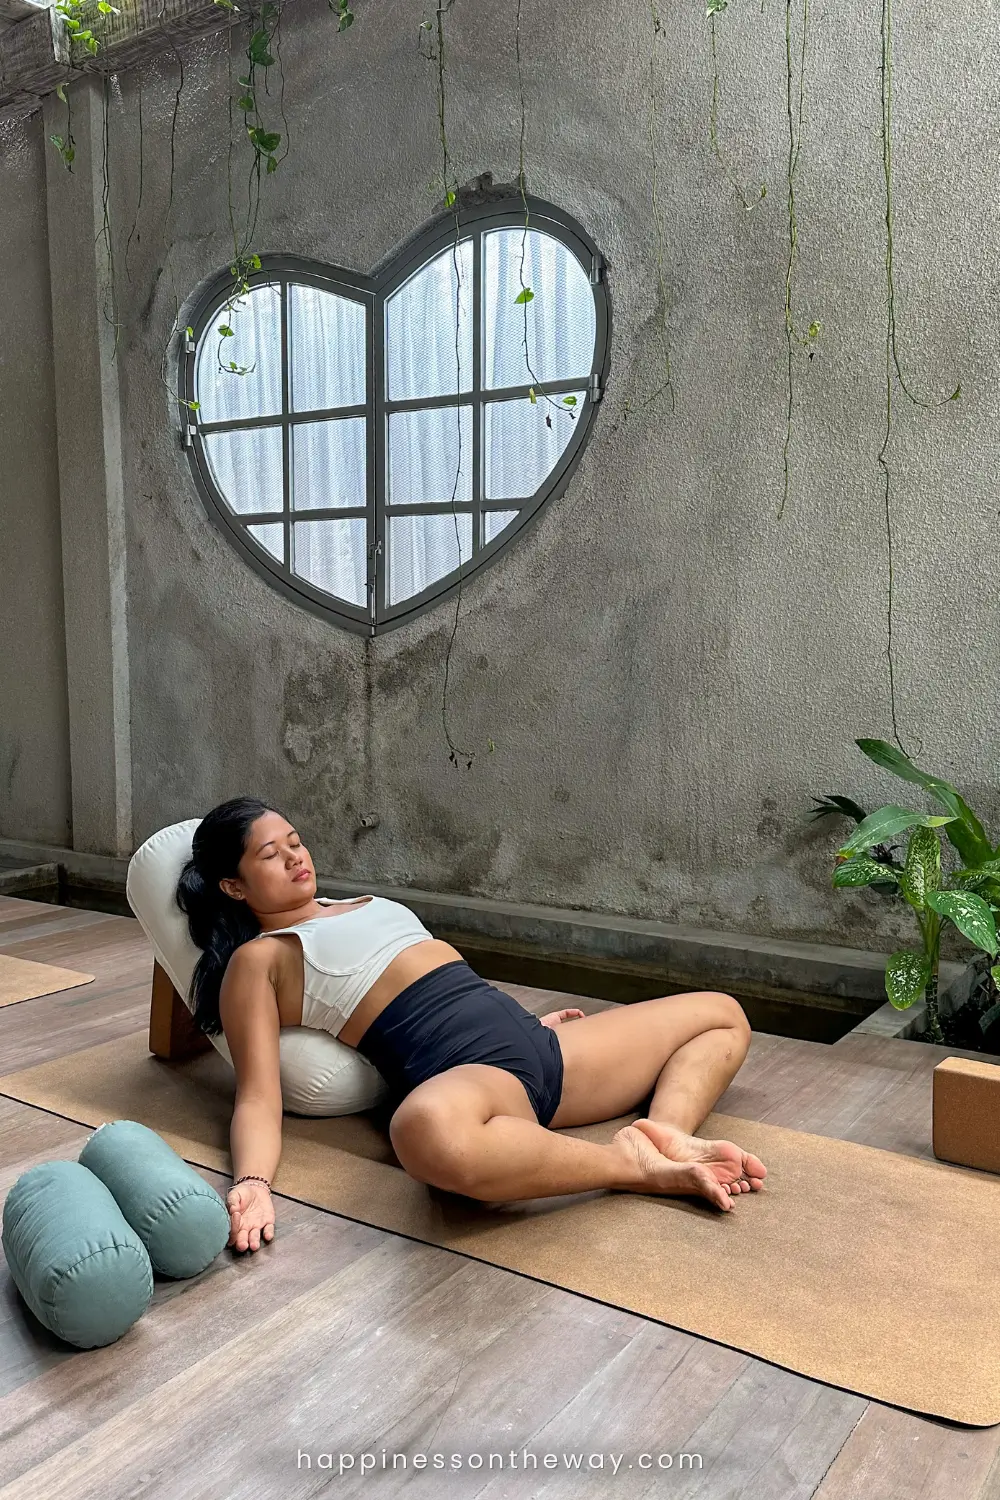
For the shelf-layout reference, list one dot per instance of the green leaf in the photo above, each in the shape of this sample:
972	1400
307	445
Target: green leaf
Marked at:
906	976
57	141
345	20
883	823
526	296
225	330
244	78
989	867
956	392
449	198
970	914
61	92
531	396
264	140
247	102
988	1017
922	871
189	331
258	52
995	971
569	401
967	833
714	6
272	165
861	871
255	262
193	405
835	804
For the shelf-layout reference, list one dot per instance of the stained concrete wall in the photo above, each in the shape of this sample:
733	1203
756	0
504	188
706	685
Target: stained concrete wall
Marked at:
34	741
668	671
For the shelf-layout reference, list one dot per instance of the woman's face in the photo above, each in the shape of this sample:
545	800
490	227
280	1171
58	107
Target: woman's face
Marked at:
274	855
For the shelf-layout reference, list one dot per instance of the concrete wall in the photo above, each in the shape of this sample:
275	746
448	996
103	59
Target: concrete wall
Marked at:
34	737
669	673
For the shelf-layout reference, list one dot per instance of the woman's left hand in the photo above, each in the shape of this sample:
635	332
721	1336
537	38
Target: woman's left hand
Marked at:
555	1017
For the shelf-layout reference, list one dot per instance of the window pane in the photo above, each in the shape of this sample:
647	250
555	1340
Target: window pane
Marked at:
423	459
420	329
332	555
326	349
423	549
494	522
246	466
520	449
328	463
271	538
561	319
256	343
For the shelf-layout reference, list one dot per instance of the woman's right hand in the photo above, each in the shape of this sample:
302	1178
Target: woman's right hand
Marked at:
251	1215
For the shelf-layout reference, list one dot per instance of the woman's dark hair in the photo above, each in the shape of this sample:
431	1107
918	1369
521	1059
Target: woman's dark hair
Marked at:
218	923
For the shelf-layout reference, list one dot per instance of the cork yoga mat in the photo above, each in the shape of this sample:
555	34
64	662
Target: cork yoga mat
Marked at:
22	979
870	1271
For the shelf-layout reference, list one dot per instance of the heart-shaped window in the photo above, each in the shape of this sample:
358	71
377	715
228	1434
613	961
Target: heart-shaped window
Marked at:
367	443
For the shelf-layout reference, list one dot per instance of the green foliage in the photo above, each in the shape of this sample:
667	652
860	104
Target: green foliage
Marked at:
906	978
921	880
967	835
66	147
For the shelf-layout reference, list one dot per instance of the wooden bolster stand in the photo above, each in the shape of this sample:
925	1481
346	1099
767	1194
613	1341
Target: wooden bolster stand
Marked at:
173	1034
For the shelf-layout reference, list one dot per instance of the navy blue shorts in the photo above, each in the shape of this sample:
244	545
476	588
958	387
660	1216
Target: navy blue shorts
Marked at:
452	1016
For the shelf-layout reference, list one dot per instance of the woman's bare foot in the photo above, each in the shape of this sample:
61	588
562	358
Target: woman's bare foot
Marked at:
737	1170
669	1161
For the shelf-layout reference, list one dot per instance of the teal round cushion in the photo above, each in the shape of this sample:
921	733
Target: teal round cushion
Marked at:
80	1267
178	1216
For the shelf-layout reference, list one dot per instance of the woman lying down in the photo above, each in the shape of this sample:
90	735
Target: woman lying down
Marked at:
480	1085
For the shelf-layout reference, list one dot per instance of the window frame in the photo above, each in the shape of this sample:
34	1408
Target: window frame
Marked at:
377	615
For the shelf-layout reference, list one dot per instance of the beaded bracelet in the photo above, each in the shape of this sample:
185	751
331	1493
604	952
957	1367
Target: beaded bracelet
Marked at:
252	1177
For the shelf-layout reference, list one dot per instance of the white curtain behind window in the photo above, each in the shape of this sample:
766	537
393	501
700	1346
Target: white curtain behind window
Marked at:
428	451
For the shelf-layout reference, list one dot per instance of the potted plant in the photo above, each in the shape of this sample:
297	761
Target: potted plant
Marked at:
968	897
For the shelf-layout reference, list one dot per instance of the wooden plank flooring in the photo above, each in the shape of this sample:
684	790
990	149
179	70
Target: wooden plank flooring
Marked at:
343	1339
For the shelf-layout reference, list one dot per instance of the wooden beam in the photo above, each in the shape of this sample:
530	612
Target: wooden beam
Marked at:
36	53
16	10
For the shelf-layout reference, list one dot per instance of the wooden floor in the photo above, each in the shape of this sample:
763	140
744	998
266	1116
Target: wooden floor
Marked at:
343	1339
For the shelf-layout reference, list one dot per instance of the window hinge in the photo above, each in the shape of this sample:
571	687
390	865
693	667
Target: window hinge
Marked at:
594	389
596	267
188	434
189	345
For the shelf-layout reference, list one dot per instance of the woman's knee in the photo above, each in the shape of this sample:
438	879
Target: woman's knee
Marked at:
427	1140
736	1017
715	1010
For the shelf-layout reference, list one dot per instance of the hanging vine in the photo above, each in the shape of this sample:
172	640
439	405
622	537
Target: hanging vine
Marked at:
133	232
713	8
450	199
892	361
795	114
526	294
667	383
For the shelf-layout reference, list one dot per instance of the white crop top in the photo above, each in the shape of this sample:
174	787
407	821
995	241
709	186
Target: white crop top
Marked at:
343	955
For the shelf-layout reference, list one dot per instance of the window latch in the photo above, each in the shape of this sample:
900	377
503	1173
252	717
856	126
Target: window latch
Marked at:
596	266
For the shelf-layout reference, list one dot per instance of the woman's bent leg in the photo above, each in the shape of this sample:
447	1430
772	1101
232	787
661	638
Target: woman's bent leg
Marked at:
472	1130
685	1048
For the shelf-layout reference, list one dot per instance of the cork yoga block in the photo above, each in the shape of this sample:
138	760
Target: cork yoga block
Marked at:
966	1113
